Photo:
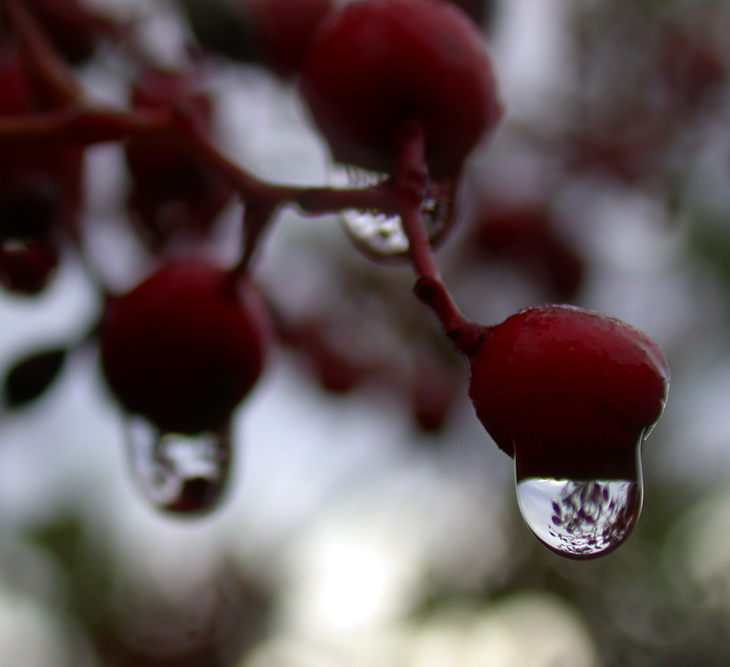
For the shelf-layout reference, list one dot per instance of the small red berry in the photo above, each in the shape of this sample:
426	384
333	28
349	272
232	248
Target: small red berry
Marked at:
184	348
568	392
377	66
41	184
27	265
525	235
172	194
479	11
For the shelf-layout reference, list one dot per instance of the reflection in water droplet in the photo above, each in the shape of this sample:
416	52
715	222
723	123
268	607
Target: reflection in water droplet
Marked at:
580	519
183	474
382	235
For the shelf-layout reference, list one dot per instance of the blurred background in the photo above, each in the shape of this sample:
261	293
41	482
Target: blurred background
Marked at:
370	520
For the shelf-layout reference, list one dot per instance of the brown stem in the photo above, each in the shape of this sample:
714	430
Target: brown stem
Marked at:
197	140
322	201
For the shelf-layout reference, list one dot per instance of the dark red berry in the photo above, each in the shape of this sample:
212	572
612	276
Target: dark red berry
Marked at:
184	348
377	66
434	388
693	67
568	392
40	184
172	194
27	265
525	235
28	209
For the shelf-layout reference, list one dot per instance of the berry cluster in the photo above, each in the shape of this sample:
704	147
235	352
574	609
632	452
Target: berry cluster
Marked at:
400	89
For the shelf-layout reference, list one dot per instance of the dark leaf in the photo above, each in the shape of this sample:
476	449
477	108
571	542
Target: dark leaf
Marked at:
31	376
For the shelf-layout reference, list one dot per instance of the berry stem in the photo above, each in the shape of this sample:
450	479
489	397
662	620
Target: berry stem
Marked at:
89	126
322	201
410	182
76	122
465	335
198	141
256	220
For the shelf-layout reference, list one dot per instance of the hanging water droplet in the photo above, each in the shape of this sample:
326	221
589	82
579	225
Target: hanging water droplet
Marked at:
381	235
183	474
577	518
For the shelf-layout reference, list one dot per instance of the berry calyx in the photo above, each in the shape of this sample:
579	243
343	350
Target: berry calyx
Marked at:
185	347
376	67
570	393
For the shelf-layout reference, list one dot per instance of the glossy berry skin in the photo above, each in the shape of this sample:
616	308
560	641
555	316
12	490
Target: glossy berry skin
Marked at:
377	66
568	392
184	347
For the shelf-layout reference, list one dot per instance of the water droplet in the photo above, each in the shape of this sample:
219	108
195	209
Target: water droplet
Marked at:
381	235
182	474
581	518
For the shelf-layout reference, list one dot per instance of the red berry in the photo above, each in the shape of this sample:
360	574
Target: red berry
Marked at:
28	209
525	235
40	179
172	194
27	265
568	392
377	66
184	348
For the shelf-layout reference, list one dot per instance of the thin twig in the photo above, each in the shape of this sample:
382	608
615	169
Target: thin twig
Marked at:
51	70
